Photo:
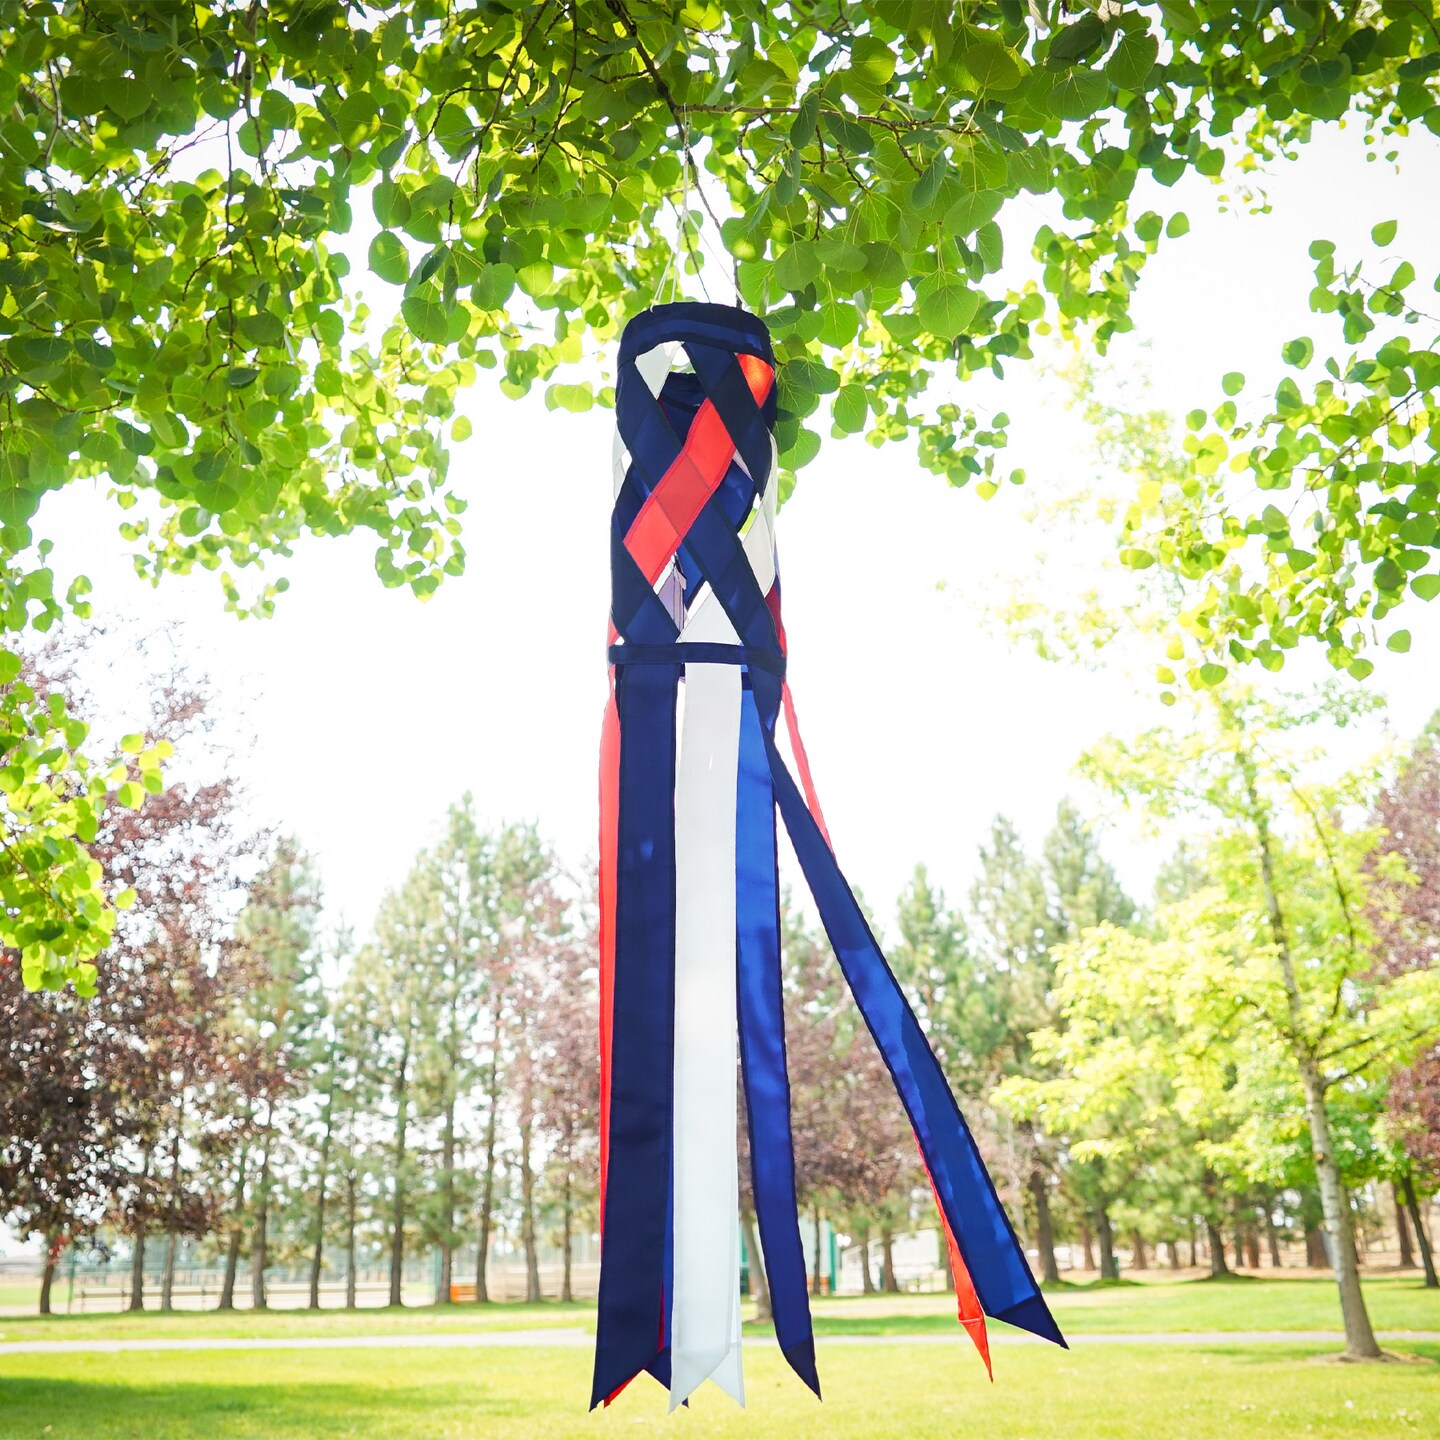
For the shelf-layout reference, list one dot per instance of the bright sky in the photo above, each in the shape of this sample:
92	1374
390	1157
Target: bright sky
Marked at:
362	713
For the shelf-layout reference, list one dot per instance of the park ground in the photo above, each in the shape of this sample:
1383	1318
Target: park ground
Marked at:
890	1366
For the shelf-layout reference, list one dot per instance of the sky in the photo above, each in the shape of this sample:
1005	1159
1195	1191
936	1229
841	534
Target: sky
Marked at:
357	714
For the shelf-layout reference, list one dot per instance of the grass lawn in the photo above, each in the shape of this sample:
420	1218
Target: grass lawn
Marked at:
21	1292
1396	1303
910	1392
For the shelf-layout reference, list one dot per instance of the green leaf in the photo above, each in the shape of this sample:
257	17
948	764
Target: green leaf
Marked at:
1399	642
1074	42
1178	225
945	304
850	409
389	259
1297	352
1427	587
1384	232
971	211
1133	60
241	376
797	266
492	287
1233	383
848	134
431	321
1211	674
992	64
802	449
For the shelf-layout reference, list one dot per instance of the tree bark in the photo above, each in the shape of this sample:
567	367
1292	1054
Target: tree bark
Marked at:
1105	1238
1044	1228
487	1185
1272	1236
867	1280
1402	1228
351	1184
815	1265
401	1145
47	1277
137	1270
447	1204
1140	1260
1360	1343
527	1213
232	1249
1427	1258
317	1257
1087	1244
567	1227
1215	1243
888	1283
1173	1246
167	1275
759	1281
260	1243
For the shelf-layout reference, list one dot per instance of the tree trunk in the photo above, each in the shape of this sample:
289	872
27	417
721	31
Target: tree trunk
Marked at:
1360	1343
1044	1228
317	1257
1239	1245
47	1277
1215	1243
1427	1258
1272	1236
1105	1237
232	1269
527	1213
1252	1247
567	1226
888	1281
260	1244
397	1209
232	1249
815	1265
1194	1244
1087	1244
447	1205
167	1275
351	1184
137	1271
1402	1229
1140	1260
1173	1246
867	1280
1315	1256
487	1185
759	1281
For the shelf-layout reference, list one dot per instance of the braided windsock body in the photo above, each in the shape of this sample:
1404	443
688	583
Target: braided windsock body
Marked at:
692	777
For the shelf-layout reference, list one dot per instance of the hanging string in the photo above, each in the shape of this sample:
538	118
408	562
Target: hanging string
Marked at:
684	240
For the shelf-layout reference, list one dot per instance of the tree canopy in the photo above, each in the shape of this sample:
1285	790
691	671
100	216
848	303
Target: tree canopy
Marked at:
178	318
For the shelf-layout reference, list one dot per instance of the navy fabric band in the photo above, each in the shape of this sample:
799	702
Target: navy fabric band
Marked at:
762	1049
698	652
631	1324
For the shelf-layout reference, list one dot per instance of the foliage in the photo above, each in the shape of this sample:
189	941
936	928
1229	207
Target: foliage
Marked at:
1347	520
177	315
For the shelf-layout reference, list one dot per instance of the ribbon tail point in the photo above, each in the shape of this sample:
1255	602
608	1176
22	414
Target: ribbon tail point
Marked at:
1034	1315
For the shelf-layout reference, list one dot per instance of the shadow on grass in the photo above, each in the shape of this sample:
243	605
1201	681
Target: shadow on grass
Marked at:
185	1409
